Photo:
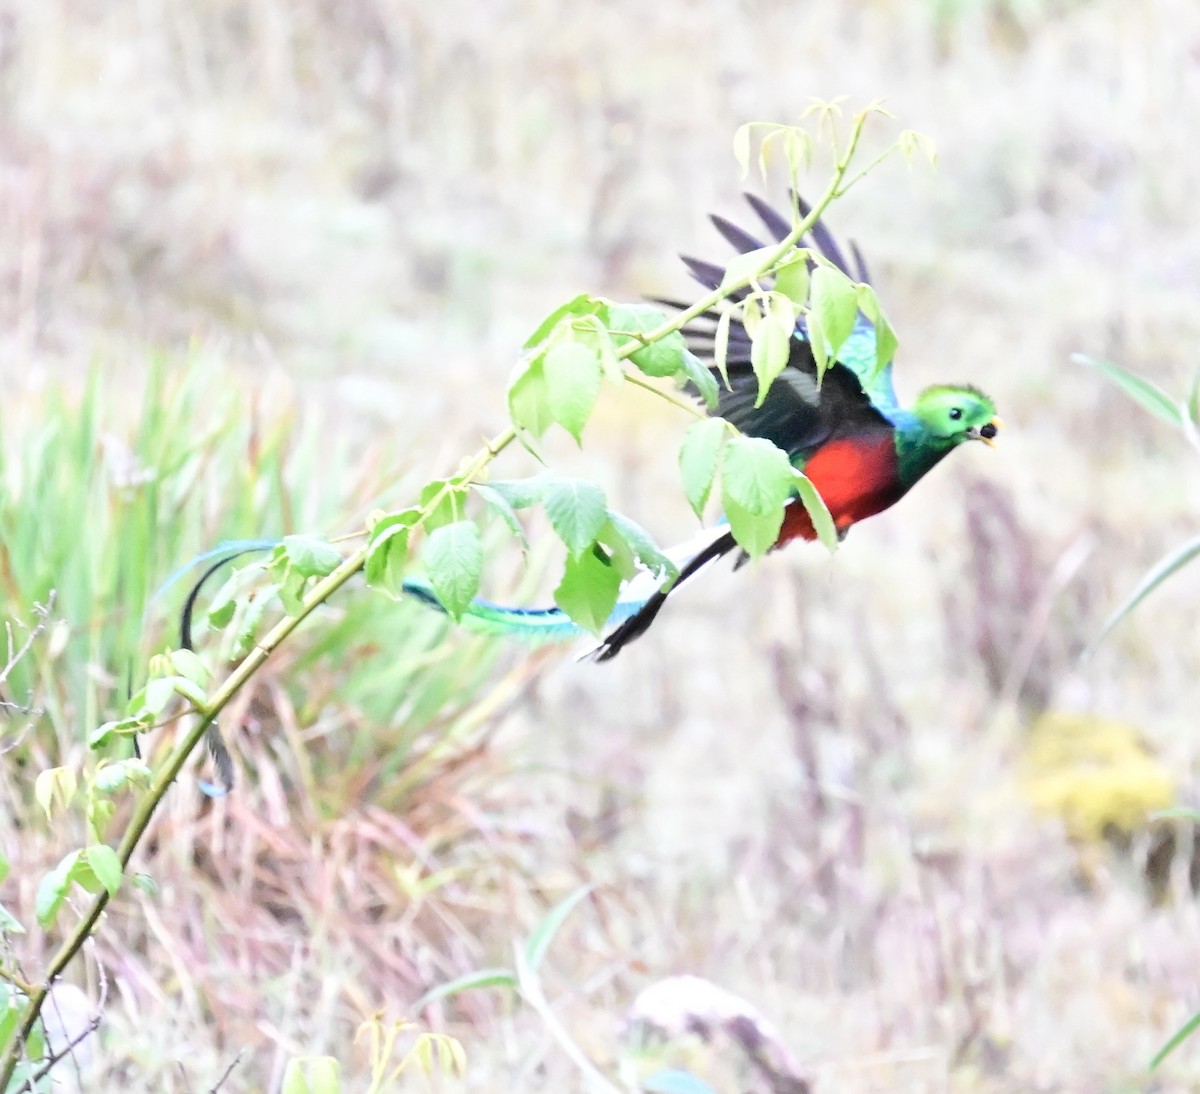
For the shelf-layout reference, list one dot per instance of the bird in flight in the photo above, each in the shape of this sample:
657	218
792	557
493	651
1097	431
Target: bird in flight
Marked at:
845	430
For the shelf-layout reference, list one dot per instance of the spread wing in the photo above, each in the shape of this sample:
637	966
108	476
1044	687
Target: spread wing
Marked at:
856	356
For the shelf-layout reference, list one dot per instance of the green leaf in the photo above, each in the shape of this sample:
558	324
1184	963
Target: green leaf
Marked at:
500	505
588	590
756	533
774	132
220	614
573	380
529	398
453	559
312	1075
661	358
543	934
55	787
84	876
910	142
291	589
123	727
886	341
447	497
744	267
792	279
106	865
249	618
1182	1034
721	346
642	544
756	474
817	510
99	812
224	603
52	890
816	339
741	148
472	981
698	460
701	379
771	346
387	554
834	302
522	493
111	776
616	550
11	1003
187	664
310	556
582	305
577	512
1148	394
756	480
150	702
190	690
9	924
4	868
797	150
592	332
1159	573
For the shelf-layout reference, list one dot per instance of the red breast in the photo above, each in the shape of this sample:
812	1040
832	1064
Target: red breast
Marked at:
858	477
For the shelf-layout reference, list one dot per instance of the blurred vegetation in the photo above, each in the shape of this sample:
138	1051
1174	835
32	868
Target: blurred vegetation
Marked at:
807	785
1095	774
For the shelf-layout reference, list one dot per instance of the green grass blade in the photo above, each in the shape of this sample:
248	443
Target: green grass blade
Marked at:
539	942
472	981
1141	390
1169	565
1182	1034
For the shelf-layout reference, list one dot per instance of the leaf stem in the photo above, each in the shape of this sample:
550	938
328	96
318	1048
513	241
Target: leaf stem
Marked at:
681	404
16	982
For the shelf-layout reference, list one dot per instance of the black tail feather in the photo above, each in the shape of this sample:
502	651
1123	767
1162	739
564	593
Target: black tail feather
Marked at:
862	273
710	275
737	237
217	748
772	221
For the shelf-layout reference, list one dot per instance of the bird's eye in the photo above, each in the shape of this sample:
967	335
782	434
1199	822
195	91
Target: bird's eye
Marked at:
955	413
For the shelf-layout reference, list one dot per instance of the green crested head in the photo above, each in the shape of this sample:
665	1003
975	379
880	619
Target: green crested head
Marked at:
949	414
942	418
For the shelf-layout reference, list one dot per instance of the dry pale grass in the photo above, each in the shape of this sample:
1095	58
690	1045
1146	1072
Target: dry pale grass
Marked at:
804	784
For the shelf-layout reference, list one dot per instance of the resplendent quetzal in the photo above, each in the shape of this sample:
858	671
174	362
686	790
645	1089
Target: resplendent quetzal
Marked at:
850	436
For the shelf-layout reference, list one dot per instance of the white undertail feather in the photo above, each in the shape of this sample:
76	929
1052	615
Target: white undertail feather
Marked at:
644	584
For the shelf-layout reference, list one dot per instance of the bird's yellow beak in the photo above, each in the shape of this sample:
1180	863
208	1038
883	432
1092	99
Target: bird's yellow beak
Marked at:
987	433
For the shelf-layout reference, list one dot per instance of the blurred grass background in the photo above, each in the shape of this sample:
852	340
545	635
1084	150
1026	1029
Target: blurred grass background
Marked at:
331	225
